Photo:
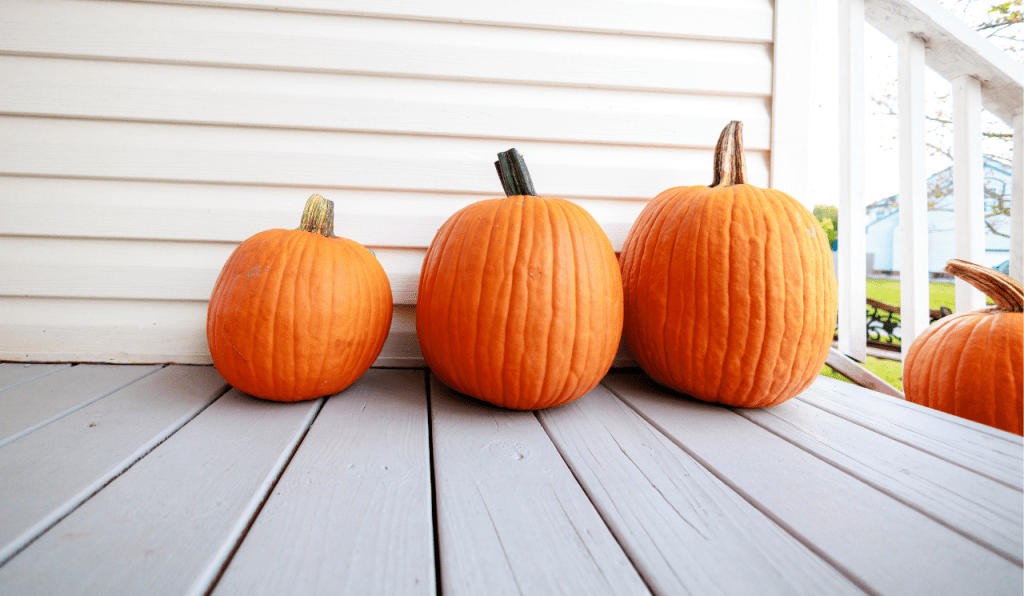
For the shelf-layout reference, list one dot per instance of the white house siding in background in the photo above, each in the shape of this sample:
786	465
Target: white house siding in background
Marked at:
141	141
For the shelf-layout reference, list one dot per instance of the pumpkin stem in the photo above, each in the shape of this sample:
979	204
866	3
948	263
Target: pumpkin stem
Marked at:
1006	292
515	178
318	217
730	163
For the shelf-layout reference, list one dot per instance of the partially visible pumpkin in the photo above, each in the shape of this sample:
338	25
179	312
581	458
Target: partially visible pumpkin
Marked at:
729	289
972	364
520	299
298	314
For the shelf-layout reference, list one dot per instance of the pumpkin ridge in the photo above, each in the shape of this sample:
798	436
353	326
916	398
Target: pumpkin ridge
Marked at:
794	377
331	330
714	362
499	212
428	281
739	230
488	213
270	268
757	320
793	333
980	326
451	372
767	350
504	390
563	385
645	263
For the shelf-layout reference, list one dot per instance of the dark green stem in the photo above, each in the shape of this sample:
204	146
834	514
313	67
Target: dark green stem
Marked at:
515	178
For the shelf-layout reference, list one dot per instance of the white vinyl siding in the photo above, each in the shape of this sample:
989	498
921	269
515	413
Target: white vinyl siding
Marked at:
140	142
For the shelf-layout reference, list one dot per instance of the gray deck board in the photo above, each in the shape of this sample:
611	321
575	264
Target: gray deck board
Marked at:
682	527
968	502
169	523
51	471
16	373
997	454
849	522
352	513
153	480
511	518
31	405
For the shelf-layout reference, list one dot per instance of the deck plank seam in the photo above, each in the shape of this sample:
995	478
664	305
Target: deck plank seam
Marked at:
13	385
438	588
206	582
27	431
887	492
907	442
36	531
597	509
803	540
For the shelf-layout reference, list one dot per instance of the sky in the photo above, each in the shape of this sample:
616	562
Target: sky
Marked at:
881	150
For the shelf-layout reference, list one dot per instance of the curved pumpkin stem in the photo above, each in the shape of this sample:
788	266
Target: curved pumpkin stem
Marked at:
1006	292
730	163
318	217
515	178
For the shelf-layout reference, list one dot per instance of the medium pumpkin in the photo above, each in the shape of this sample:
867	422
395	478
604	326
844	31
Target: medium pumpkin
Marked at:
298	314
520	299
972	364
730	295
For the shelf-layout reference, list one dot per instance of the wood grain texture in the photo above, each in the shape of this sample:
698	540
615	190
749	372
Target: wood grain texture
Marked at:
352	514
511	519
689	18
989	512
168	524
996	454
79	88
32	405
341	44
12	374
877	541
683	528
53	470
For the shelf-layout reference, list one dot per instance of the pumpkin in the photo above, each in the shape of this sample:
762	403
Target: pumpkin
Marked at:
298	314
730	295
520	298
972	364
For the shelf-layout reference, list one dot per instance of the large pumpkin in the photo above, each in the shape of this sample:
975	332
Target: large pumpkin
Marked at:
729	290
972	364
520	299
298	314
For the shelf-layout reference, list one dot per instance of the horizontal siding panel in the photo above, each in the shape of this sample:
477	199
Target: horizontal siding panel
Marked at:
749	20
294	41
191	153
224	213
140	331
56	267
225	96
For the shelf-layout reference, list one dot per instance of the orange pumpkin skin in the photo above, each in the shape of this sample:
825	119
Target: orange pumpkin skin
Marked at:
730	295
520	302
971	365
295	315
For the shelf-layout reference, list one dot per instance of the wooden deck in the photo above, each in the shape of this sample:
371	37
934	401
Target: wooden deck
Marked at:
161	480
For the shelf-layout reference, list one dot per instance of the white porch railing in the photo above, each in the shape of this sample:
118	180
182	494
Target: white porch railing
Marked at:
982	76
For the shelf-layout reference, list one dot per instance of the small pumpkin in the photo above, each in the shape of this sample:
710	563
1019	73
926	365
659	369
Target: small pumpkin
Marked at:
298	314
520	299
730	295
972	364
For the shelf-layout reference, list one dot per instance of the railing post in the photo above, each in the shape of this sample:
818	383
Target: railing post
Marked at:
968	185
913	203
1017	201
852	244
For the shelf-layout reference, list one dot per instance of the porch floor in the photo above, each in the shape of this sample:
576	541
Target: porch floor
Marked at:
118	479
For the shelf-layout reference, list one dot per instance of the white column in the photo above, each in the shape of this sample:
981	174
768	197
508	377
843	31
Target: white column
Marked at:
913	192
792	77
1017	202
968	185
852	245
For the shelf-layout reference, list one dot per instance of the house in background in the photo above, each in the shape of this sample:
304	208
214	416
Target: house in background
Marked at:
883	227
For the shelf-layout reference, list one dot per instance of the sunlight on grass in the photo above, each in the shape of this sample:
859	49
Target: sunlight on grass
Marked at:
888	291
890	370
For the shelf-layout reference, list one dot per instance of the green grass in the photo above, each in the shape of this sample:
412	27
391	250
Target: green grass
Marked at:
890	370
888	291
